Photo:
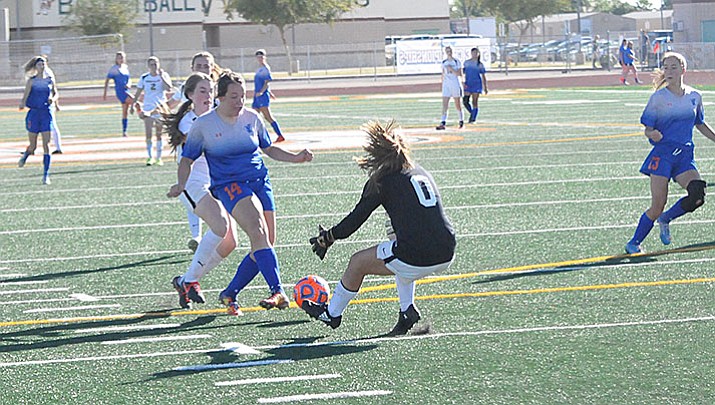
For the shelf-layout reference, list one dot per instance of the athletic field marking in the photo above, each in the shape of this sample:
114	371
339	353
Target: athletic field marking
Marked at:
44	300
11	283
155	339
84	297
204	367
276	380
566	102
79	308
112	329
13	275
329	395
41	290
495	332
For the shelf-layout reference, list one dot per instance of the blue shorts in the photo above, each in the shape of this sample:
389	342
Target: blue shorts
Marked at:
230	193
263	100
38	120
669	161
473	88
122	96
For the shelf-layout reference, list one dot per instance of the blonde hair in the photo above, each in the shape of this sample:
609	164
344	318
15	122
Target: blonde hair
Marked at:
30	69
387	151
659	75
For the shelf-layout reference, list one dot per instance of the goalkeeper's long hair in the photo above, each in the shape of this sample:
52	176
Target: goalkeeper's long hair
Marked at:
171	121
387	151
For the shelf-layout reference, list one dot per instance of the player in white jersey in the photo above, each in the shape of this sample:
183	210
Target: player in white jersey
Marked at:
154	84
672	112
451	88
230	137
213	248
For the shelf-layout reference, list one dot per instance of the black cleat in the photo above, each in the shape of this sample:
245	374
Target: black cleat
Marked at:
193	291
184	301
406	321
461	124
320	312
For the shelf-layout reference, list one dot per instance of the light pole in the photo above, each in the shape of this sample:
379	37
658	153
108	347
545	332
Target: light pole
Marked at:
662	4
152	4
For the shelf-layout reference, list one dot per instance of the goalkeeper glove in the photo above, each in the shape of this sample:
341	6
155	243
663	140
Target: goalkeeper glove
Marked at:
322	242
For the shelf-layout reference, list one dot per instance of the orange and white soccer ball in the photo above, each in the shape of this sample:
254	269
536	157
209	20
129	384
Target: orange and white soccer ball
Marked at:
312	288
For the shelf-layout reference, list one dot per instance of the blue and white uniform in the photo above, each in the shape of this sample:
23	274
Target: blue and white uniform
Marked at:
39	115
263	75
235	165
199	181
122	81
450	78
675	117
628	56
473	72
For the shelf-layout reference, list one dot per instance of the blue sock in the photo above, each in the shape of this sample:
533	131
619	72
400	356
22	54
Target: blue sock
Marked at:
267	262
276	128
124	124
674	212
46	164
645	224
245	272
475	112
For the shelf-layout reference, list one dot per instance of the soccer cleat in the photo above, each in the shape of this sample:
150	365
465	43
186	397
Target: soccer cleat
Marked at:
193	291
406	321
320	312
665	236
159	162
230	303
633	248
184	301
471	121
280	139
124	134
638	81
57	152
193	245
46	180
278	300
461	124
442	126
21	162
150	161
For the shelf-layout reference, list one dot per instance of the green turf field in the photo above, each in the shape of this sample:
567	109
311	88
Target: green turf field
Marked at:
540	306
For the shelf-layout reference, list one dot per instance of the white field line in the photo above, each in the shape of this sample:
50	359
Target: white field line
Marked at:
13	275
329	395
39	290
11	283
370	340
44	300
79	308
112	329
276	379
222	366
155	339
352	242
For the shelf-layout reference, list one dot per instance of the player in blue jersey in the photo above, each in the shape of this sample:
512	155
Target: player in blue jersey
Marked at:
40	93
220	239
230	137
119	73
451	88
154	84
475	83
669	117
629	59
262	93
424	240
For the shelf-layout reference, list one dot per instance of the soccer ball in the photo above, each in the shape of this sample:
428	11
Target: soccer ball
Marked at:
312	288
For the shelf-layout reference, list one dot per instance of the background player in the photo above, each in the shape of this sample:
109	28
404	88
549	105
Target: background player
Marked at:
451	88
155	83
475	82
424	238
262	93
119	73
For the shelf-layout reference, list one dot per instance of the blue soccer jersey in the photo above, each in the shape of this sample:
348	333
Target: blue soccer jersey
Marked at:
263	75
39	96
473	72
122	80
674	116
231	150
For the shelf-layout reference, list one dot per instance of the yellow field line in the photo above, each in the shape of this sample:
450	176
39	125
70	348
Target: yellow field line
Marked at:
516	269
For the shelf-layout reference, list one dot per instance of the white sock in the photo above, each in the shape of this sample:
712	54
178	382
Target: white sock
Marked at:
56	137
148	148
340	300
444	117
202	258
159	145
194	225
406	292
461	115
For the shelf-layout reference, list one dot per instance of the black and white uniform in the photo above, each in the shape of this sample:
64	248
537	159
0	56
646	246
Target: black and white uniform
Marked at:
425	240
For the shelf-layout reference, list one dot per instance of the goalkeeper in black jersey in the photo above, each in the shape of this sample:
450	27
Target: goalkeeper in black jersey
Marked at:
423	241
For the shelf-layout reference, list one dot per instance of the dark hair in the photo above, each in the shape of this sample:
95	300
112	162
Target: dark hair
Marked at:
261	52
387	151
479	54
215	68
171	121
227	77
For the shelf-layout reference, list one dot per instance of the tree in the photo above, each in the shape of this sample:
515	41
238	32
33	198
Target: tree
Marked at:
99	17
619	7
285	13
523	13
466	8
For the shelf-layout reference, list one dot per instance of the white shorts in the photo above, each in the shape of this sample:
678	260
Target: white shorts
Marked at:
451	88
404	270
193	193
